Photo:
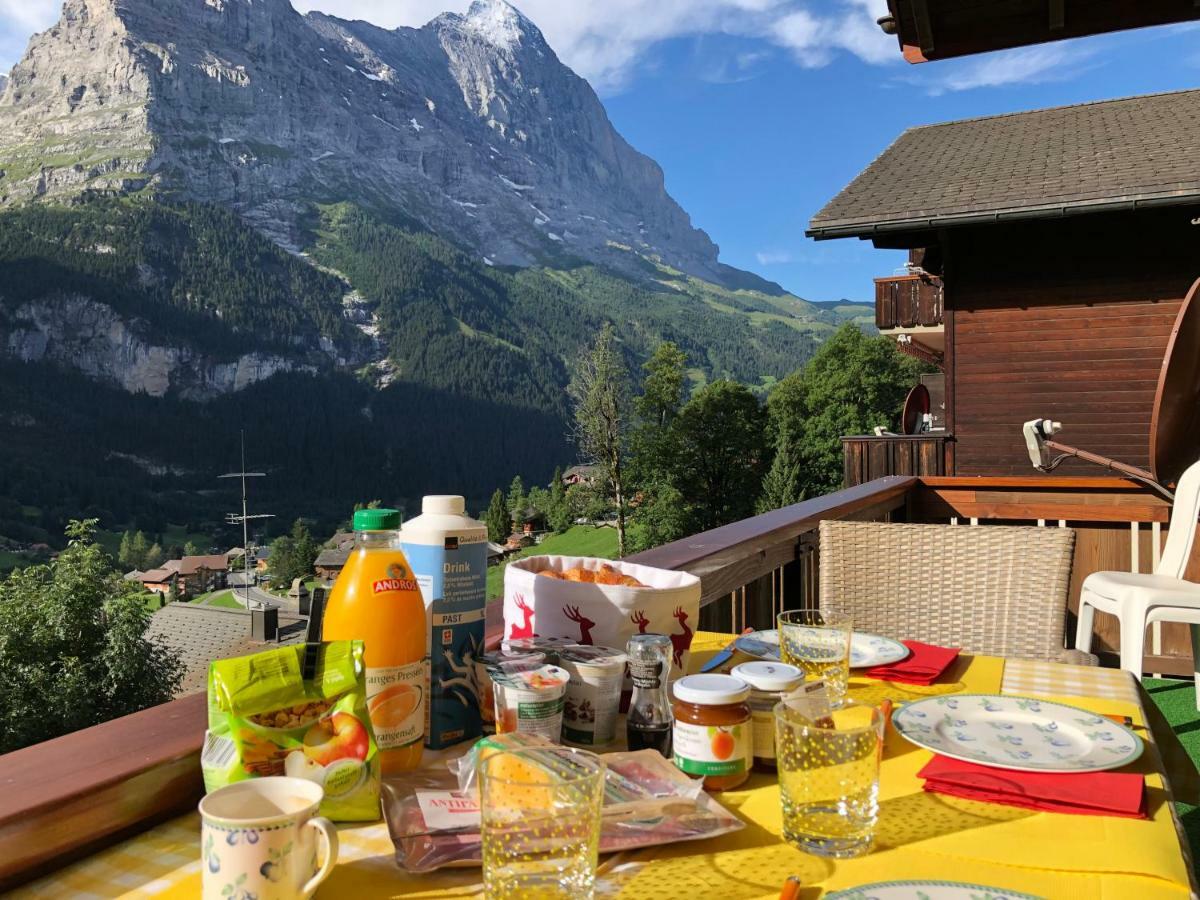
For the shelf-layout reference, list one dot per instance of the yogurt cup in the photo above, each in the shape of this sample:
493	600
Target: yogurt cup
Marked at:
487	698
551	646
529	700
593	695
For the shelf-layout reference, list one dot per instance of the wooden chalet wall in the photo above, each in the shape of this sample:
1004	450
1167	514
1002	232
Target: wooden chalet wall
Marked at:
1065	319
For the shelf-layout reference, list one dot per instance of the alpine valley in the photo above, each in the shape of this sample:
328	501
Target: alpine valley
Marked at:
377	251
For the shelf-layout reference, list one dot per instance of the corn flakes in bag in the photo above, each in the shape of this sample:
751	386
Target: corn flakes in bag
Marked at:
265	719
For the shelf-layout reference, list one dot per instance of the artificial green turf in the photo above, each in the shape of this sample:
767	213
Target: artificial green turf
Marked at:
1177	700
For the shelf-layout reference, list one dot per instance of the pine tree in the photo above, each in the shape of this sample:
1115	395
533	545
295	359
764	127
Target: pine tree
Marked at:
154	557
499	522
600	392
558	516
125	553
138	550
782	483
517	501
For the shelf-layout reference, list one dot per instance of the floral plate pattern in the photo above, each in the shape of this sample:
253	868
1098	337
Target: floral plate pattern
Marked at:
1019	733
927	890
866	650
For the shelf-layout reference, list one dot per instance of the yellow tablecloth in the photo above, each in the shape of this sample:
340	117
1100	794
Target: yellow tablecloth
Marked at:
920	835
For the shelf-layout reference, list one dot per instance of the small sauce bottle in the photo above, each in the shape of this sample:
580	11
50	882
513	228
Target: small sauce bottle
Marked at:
712	733
648	725
768	681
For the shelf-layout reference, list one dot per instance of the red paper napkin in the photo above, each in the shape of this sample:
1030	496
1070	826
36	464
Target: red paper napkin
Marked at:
1086	793
924	665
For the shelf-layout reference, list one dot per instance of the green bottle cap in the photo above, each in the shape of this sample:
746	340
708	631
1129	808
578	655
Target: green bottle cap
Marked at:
376	519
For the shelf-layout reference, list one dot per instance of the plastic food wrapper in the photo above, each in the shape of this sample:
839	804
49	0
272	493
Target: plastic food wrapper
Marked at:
265	719
647	802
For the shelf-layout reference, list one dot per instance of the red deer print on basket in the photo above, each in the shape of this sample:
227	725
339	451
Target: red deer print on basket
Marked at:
526	630
681	642
585	624
639	619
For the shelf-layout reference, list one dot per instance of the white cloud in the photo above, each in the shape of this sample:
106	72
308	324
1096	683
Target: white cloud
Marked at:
605	40
773	257
1026	65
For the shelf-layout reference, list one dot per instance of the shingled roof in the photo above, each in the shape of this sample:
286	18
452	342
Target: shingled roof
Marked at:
1138	151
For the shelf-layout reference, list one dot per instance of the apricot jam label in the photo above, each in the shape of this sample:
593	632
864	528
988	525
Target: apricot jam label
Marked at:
396	702
713	749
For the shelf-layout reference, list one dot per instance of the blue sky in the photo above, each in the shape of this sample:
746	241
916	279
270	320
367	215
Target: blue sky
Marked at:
761	110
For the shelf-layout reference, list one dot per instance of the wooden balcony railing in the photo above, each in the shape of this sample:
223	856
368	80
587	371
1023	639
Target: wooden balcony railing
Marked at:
908	301
71	795
866	457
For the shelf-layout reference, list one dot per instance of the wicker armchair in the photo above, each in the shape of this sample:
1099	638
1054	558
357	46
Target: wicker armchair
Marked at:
995	590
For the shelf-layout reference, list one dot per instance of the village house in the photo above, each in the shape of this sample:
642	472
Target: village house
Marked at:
159	581
330	562
201	574
579	475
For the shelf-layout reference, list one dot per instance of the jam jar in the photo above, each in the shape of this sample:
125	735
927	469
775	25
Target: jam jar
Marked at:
711	732
768	681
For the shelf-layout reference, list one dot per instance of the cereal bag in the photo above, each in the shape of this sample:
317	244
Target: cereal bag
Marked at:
265	719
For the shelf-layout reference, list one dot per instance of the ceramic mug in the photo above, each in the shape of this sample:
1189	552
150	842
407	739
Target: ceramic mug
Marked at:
259	840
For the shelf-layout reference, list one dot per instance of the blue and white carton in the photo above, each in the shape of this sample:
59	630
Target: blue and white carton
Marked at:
447	551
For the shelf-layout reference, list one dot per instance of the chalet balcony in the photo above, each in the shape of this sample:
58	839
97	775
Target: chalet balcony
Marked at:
907	302
70	796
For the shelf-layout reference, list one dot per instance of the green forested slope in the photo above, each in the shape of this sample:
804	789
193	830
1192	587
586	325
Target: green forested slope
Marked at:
476	360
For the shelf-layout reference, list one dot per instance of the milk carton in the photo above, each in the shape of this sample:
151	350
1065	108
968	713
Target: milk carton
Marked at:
447	551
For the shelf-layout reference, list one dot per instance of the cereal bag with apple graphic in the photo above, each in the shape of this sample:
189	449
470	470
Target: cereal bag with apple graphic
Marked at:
264	718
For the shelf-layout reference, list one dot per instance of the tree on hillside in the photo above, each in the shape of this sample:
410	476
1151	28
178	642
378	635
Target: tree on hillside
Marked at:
721	453
190	549
125	551
73	646
137	550
292	556
558	516
600	392
516	500
499	522
853	383
662	516
652	441
154	557
661	512
783	483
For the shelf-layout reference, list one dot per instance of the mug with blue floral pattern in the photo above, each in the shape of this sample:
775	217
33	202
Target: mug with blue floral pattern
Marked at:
259	840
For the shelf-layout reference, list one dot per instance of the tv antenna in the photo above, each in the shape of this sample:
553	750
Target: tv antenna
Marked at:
244	519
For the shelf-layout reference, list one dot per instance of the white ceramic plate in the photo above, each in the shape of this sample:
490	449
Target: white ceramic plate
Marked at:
866	650
1017	733
927	890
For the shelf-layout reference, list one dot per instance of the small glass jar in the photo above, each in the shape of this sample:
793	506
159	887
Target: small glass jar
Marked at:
711	734
768	681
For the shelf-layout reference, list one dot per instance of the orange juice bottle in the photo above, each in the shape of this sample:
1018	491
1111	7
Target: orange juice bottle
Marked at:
376	599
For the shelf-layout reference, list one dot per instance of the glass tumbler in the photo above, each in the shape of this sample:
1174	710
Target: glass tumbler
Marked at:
540	816
819	643
829	778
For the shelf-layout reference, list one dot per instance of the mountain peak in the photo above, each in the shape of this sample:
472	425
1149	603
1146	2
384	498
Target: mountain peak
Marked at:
498	23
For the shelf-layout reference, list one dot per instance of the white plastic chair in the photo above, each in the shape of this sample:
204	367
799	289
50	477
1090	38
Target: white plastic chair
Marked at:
1138	600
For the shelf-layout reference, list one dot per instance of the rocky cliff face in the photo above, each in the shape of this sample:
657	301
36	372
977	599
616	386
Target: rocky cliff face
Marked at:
469	126
79	333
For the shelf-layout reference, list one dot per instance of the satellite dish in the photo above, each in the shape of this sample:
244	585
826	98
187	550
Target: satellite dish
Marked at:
1174	422
1175	425
916	407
